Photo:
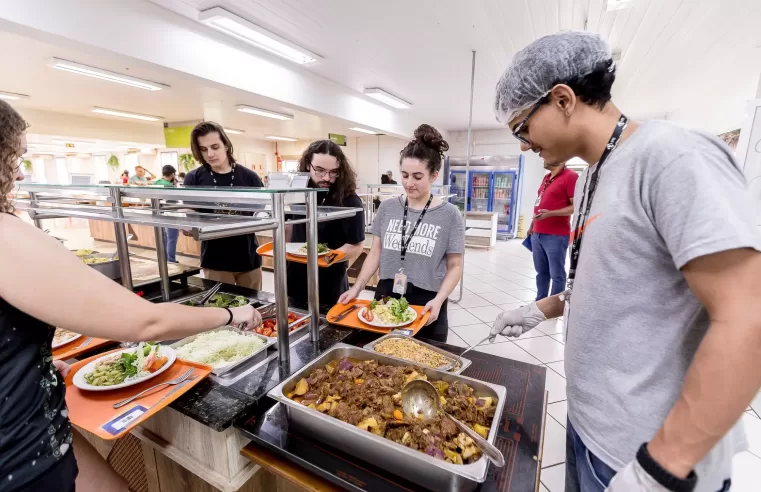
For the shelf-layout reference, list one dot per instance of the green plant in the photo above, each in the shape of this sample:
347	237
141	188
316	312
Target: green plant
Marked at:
186	161
113	162
27	165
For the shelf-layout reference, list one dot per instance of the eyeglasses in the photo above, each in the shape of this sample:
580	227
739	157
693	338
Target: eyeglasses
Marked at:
320	173
517	130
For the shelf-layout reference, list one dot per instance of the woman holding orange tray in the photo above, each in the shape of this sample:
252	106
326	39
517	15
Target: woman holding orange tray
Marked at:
43	286
419	239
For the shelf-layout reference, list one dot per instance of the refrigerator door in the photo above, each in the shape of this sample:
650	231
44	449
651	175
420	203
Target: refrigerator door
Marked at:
459	188
480	187
503	200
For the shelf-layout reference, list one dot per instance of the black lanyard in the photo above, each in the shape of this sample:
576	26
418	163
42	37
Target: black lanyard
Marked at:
586	200
414	228
548	182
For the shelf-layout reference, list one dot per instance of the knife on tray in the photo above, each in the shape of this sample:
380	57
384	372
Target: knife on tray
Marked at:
344	313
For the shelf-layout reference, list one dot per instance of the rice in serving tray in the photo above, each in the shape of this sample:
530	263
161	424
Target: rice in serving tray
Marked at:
219	348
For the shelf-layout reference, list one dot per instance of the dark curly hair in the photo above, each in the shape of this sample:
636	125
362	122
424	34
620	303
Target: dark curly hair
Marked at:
12	127
346	183
428	146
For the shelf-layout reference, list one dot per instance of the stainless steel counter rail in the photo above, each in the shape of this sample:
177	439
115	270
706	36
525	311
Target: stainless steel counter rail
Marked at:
157	212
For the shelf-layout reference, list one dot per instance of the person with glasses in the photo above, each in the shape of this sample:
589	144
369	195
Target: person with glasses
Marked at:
329	169
551	228
662	319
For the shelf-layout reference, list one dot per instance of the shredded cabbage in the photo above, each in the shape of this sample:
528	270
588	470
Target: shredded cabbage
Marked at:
219	348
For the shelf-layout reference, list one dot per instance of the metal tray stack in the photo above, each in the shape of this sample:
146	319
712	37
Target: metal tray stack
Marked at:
252	359
415	466
464	363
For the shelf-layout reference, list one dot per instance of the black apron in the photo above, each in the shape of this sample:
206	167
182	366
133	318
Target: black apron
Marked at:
439	329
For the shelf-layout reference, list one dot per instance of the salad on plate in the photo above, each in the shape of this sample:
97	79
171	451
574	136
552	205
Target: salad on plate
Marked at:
123	367
321	249
389	311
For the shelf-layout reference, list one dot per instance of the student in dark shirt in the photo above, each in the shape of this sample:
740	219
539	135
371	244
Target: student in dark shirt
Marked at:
232	260
43	286
328	168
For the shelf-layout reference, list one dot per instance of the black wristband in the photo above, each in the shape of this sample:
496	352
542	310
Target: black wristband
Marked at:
663	476
229	321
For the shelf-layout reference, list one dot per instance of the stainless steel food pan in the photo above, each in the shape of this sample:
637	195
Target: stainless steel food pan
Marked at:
400	460
464	363
254	358
197	297
110	269
301	330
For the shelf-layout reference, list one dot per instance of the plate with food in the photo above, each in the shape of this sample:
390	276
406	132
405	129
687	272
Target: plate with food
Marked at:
269	326
300	249
222	349
388	313
125	368
62	337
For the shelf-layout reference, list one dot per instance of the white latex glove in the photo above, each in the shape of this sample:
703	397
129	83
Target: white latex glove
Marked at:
633	478
516	322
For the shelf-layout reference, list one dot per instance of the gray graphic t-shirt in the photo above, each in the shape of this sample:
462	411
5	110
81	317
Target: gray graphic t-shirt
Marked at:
666	196
441	232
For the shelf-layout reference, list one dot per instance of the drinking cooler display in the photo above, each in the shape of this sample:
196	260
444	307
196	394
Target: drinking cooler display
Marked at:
493	187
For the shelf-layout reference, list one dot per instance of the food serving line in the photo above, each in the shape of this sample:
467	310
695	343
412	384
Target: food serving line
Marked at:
223	429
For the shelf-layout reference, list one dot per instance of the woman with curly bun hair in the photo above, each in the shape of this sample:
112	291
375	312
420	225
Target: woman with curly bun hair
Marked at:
42	286
419	239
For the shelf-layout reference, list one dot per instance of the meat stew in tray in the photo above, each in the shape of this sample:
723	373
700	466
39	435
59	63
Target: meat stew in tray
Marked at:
367	394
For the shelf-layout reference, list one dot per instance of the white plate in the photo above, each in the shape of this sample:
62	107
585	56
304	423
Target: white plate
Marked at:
295	249
79	377
66	341
380	324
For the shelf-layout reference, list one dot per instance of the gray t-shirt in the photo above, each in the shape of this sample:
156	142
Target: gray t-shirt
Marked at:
441	232
666	195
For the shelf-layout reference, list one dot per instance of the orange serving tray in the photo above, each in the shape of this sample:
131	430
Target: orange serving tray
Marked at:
266	250
75	348
353	321
94	411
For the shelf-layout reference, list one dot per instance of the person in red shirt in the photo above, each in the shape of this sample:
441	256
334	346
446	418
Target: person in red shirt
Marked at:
551	229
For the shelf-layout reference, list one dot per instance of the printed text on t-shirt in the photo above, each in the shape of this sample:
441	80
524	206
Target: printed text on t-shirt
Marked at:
423	243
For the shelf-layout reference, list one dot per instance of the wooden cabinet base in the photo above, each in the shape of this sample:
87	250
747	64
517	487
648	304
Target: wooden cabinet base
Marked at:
145	237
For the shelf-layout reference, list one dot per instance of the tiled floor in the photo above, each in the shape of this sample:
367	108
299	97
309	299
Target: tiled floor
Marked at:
503	278
499	279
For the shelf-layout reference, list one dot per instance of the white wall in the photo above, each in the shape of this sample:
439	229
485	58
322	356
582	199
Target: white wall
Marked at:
501	142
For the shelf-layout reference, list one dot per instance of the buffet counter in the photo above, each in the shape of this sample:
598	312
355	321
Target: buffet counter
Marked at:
225	433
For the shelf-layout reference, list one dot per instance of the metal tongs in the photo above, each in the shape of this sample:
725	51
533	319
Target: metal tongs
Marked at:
449	366
268	311
209	294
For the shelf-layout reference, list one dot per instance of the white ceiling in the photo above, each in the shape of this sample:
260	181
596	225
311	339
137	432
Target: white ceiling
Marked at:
696	61
185	99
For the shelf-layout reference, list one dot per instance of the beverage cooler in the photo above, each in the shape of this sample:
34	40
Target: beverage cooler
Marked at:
493	186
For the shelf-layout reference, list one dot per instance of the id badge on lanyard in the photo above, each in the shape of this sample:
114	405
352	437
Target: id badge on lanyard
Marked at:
400	279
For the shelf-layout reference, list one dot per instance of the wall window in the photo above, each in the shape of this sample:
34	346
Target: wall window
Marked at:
101	168
169	159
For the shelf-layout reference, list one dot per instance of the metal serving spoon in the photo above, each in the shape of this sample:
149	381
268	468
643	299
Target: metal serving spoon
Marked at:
452	364
421	399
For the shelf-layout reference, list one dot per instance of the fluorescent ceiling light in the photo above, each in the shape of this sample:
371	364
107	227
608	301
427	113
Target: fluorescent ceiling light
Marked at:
386	98
363	130
286	139
97	73
612	5
12	96
124	114
263	112
74	142
234	131
248	32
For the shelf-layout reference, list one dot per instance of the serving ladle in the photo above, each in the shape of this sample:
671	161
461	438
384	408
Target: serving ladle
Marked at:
420	399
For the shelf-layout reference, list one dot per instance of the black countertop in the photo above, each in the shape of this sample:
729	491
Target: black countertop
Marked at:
242	402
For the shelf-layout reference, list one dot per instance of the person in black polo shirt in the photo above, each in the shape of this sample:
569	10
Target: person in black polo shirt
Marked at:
329	168
232	260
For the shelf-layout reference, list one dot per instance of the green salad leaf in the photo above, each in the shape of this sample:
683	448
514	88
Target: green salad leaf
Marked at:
127	361
373	303
399	308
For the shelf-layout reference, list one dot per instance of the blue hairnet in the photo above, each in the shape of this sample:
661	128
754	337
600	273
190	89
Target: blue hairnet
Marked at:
548	61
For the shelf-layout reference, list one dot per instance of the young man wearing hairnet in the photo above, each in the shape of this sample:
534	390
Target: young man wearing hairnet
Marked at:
663	322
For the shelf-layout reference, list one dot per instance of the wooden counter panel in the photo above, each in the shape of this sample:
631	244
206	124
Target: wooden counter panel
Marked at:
146	238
